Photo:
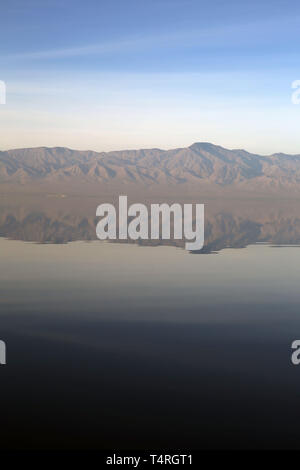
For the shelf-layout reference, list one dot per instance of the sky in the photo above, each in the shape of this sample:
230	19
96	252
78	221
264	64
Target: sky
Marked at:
120	74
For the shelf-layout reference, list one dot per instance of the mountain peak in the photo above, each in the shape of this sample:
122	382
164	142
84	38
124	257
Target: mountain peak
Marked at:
204	145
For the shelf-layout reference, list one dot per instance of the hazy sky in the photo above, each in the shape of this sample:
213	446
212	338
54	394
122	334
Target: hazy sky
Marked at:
119	74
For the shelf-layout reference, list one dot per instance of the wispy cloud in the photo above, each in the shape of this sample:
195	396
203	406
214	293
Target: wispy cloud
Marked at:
228	35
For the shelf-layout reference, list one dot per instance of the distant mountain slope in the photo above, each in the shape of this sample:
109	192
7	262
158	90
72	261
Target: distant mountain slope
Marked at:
200	164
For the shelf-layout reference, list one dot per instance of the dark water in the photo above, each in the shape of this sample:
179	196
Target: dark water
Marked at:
119	346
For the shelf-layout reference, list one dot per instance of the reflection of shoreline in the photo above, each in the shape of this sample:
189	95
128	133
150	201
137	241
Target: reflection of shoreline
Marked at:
228	224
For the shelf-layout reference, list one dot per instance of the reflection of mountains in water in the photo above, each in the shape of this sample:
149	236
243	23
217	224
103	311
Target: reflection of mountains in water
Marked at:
225	227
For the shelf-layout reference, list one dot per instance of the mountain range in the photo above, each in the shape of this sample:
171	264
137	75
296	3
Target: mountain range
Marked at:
199	166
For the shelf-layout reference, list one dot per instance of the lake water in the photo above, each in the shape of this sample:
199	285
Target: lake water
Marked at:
113	346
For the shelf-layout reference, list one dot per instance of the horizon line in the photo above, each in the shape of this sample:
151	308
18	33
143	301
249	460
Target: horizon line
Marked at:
145	148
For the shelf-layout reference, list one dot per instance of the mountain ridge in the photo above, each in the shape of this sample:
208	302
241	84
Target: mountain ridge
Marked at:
200	164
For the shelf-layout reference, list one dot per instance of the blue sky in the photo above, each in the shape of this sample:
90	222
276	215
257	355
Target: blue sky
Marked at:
114	74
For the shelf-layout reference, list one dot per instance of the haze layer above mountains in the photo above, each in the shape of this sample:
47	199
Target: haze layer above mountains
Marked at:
200	166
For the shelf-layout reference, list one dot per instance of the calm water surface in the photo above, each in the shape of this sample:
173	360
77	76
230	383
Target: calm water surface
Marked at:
119	346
